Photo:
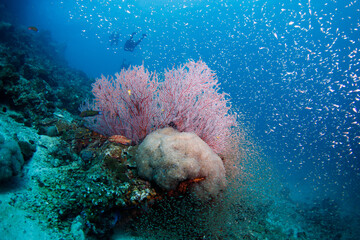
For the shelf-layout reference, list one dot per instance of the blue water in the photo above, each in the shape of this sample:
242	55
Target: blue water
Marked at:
290	67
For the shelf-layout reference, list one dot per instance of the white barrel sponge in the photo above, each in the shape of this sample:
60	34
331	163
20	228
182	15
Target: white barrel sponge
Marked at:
169	157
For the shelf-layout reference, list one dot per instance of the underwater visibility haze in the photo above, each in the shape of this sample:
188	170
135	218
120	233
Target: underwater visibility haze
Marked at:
272	88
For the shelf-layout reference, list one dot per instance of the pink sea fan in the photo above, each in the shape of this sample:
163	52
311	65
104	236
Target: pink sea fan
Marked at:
190	99
126	104
135	103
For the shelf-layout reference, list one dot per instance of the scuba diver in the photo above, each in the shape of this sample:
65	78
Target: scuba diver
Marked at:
114	38
131	44
125	64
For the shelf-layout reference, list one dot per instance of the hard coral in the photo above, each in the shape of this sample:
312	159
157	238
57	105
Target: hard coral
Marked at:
169	157
11	159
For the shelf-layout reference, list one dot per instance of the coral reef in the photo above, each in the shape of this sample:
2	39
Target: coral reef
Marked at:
75	183
80	180
33	70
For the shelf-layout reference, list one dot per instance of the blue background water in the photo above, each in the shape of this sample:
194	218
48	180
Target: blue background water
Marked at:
291	68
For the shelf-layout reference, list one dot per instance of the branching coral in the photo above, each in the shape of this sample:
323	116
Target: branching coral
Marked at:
135	104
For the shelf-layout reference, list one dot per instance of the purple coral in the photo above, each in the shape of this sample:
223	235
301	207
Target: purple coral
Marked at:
135	103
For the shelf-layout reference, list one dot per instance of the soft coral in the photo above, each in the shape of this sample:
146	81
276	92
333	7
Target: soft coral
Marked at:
135	103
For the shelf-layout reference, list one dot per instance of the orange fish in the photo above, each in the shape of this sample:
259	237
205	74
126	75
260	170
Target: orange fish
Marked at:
120	139
32	28
185	184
